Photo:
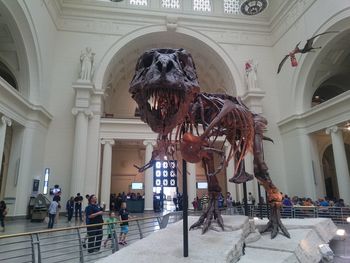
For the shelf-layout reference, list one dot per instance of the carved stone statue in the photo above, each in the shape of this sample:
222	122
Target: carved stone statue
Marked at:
251	74
87	62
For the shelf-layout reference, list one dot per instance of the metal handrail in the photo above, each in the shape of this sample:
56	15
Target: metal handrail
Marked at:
337	214
67	244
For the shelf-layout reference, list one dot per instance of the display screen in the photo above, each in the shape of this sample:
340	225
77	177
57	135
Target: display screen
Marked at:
165	174
202	185
137	186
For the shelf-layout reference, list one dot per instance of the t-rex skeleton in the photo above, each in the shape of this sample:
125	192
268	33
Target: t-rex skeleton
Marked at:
167	92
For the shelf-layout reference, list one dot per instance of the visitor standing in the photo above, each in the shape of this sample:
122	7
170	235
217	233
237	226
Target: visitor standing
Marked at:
78	200
229	203
3	213
111	227
53	208
124	226
204	202
70	208
93	213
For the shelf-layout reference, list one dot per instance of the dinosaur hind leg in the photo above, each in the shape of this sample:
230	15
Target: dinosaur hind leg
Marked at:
275	201
212	213
273	194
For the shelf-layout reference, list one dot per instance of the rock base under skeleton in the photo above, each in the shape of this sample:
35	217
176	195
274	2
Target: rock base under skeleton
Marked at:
227	246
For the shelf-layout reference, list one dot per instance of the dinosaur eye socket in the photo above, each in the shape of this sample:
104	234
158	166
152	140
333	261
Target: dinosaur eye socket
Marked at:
147	60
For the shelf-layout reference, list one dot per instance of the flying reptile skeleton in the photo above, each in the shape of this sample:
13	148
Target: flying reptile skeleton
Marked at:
307	48
167	92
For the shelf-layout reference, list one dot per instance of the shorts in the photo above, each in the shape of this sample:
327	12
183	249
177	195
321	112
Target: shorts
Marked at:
124	229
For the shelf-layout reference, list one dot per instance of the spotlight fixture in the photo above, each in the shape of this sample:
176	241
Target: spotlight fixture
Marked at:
340	232
253	7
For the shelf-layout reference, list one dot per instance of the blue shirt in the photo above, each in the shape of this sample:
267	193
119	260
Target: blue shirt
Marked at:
92	209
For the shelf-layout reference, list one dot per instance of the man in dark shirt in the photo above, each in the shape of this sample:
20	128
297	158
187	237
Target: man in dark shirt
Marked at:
78	203
124	226
94	214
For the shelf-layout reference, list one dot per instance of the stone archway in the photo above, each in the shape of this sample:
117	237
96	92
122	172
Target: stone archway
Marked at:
23	60
213	72
329	61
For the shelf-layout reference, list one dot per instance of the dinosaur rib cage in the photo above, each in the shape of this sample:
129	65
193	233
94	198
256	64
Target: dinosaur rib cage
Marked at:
236	125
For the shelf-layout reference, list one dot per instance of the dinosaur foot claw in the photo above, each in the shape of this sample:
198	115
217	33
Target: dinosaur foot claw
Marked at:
275	224
207	218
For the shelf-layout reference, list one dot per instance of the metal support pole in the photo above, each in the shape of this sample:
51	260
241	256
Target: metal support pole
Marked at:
267	206
260	204
245	199
185	207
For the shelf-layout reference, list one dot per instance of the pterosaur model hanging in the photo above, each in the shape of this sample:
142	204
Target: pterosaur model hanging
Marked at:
307	48
167	92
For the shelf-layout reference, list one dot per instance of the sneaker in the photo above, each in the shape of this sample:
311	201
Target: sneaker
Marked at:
120	243
125	243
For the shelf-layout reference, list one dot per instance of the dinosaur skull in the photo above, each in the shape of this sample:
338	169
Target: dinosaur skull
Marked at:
164	85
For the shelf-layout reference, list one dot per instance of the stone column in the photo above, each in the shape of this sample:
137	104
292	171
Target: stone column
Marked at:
191	183
5	121
79	151
229	172
106	171
341	164
94	155
148	175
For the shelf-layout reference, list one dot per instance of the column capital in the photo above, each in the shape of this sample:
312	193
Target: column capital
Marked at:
108	141
6	121
332	129
86	111
149	142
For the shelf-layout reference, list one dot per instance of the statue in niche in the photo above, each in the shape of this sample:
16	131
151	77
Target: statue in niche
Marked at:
87	62
251	74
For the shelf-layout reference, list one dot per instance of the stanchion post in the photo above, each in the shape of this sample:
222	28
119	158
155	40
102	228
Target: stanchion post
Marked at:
245	199
185	207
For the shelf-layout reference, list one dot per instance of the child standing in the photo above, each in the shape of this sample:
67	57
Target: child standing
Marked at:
124	226
111	227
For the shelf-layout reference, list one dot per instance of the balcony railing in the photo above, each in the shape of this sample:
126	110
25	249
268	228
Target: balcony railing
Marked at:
68	244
